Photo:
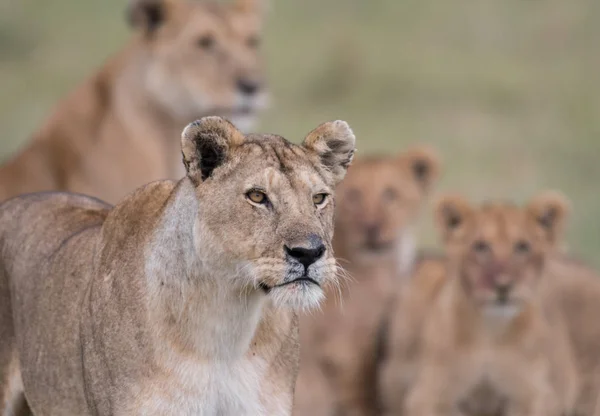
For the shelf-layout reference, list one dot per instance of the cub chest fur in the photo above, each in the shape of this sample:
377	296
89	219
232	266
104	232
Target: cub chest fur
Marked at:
191	387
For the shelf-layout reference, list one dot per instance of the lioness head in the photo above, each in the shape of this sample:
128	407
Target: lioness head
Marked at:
499	250
202	57
378	202
266	205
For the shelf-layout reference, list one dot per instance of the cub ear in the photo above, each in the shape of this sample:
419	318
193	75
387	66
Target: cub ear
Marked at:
452	216
424	164
147	15
252	6
549	212
205	145
334	143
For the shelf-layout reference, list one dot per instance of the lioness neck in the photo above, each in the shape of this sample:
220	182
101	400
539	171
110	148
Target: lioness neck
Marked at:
192	308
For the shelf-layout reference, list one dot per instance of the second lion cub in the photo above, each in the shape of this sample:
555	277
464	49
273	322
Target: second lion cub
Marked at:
491	346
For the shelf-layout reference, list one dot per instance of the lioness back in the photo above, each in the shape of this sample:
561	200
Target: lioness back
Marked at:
74	222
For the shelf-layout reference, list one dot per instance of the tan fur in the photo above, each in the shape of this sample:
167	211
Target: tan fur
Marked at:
120	128
575	289
400	337
377	205
491	345
182	299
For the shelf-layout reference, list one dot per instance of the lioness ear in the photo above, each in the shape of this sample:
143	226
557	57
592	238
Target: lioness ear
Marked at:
549	211
452	215
334	143
205	144
147	15
423	163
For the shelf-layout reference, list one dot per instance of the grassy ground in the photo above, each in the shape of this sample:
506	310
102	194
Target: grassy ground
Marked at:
509	91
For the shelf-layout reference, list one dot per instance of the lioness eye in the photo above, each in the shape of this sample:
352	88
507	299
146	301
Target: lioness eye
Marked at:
522	247
481	246
257	197
206	42
318	199
253	41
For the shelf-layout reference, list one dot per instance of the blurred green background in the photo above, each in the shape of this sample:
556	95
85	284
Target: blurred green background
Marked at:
508	90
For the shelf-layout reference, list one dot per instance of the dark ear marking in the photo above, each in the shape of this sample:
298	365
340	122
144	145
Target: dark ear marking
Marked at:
212	154
547	218
205	144
423	163
421	169
334	144
147	15
452	214
453	219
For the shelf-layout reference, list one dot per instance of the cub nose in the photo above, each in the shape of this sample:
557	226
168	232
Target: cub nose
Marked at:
247	86
307	254
502	291
373	232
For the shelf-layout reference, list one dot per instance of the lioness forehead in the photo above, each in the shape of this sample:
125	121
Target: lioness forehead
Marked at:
279	155
210	15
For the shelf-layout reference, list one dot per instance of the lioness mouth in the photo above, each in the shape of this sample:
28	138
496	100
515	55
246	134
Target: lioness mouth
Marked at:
266	288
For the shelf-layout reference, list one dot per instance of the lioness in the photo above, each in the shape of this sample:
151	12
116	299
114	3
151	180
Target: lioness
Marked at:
115	132
377	205
180	300
492	346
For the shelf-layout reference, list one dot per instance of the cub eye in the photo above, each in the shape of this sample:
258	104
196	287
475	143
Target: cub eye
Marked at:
522	247
258	197
319	199
390	194
206	42
253	42
481	247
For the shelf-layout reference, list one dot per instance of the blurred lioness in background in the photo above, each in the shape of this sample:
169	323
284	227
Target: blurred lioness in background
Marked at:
116	131
377	206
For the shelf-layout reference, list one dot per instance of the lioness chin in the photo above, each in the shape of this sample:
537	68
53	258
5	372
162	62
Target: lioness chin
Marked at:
114	133
181	299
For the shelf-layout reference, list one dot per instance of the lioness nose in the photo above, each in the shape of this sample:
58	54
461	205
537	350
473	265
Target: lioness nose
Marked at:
307	255
247	86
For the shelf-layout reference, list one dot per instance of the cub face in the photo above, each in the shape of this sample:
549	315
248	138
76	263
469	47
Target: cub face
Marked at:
380	198
202	57
499	251
266	205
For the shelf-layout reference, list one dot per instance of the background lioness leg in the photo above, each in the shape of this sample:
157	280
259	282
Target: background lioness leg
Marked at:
12	398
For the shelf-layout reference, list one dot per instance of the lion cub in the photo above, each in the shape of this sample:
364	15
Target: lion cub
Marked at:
181	299
116	131
491	345
377	205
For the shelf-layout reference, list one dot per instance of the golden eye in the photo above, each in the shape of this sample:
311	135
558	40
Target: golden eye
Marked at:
258	197
319	199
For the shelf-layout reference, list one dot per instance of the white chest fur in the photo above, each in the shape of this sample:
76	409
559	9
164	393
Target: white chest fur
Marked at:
188	387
